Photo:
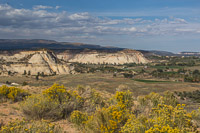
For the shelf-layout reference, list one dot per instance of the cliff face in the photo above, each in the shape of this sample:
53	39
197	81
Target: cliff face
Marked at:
94	57
47	62
34	61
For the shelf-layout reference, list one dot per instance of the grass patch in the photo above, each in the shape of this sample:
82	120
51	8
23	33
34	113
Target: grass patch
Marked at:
170	67
151	81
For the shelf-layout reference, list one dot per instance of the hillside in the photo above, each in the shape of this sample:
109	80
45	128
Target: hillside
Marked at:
96	57
147	53
33	62
51	57
35	44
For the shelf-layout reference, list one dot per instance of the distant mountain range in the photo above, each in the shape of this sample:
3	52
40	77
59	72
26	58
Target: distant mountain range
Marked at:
35	44
165	53
156	52
26	44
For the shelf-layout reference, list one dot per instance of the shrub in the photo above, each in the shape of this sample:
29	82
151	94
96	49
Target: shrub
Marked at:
107	119
196	116
56	92
63	96
39	106
111	119
149	101
169	99
13	93
72	102
93	100
24	126
24	83
193	96
78	117
163	115
124	98
55	103
128	75
100	122
153	99
163	118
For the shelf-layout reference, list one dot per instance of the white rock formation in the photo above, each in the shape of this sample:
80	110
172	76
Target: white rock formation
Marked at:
47	62
121	57
35	61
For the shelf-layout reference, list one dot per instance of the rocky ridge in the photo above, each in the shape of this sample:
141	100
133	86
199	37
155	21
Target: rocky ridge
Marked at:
94	57
34	62
49	63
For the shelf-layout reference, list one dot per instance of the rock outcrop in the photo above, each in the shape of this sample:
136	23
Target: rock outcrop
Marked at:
94	57
46	62
34	62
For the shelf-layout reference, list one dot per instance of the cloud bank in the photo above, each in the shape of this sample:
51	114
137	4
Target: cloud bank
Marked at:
46	22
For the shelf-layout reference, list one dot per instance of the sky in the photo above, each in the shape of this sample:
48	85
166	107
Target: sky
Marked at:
169	25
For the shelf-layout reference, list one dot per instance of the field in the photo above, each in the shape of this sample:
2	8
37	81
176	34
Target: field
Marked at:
107	80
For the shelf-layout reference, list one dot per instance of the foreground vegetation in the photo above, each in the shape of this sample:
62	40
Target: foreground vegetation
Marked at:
159	97
93	111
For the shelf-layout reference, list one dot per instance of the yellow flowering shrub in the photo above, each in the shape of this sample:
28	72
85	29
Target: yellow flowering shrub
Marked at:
78	117
196	116
54	103
39	106
63	96
13	93
169	99
93	100
76	99
24	126
57	92
111	119
153	99
153	113
163	118
162	115
124	98
100	121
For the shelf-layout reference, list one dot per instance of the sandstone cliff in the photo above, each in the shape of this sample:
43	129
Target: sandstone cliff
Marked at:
34	61
94	57
45	61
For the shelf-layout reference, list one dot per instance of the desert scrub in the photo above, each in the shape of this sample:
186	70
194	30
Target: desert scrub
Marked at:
57	92
124	98
39	106
153	99
100	121
13	93
196	116
78	117
62	95
54	103
112	118
169	99
164	115
93	100
163	118
107	120
68	100
24	126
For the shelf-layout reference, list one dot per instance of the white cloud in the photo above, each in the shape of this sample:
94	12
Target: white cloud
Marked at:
4	7
132	29
80	16
39	7
57	7
40	23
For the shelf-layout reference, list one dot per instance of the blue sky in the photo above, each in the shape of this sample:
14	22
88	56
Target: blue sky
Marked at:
170	25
